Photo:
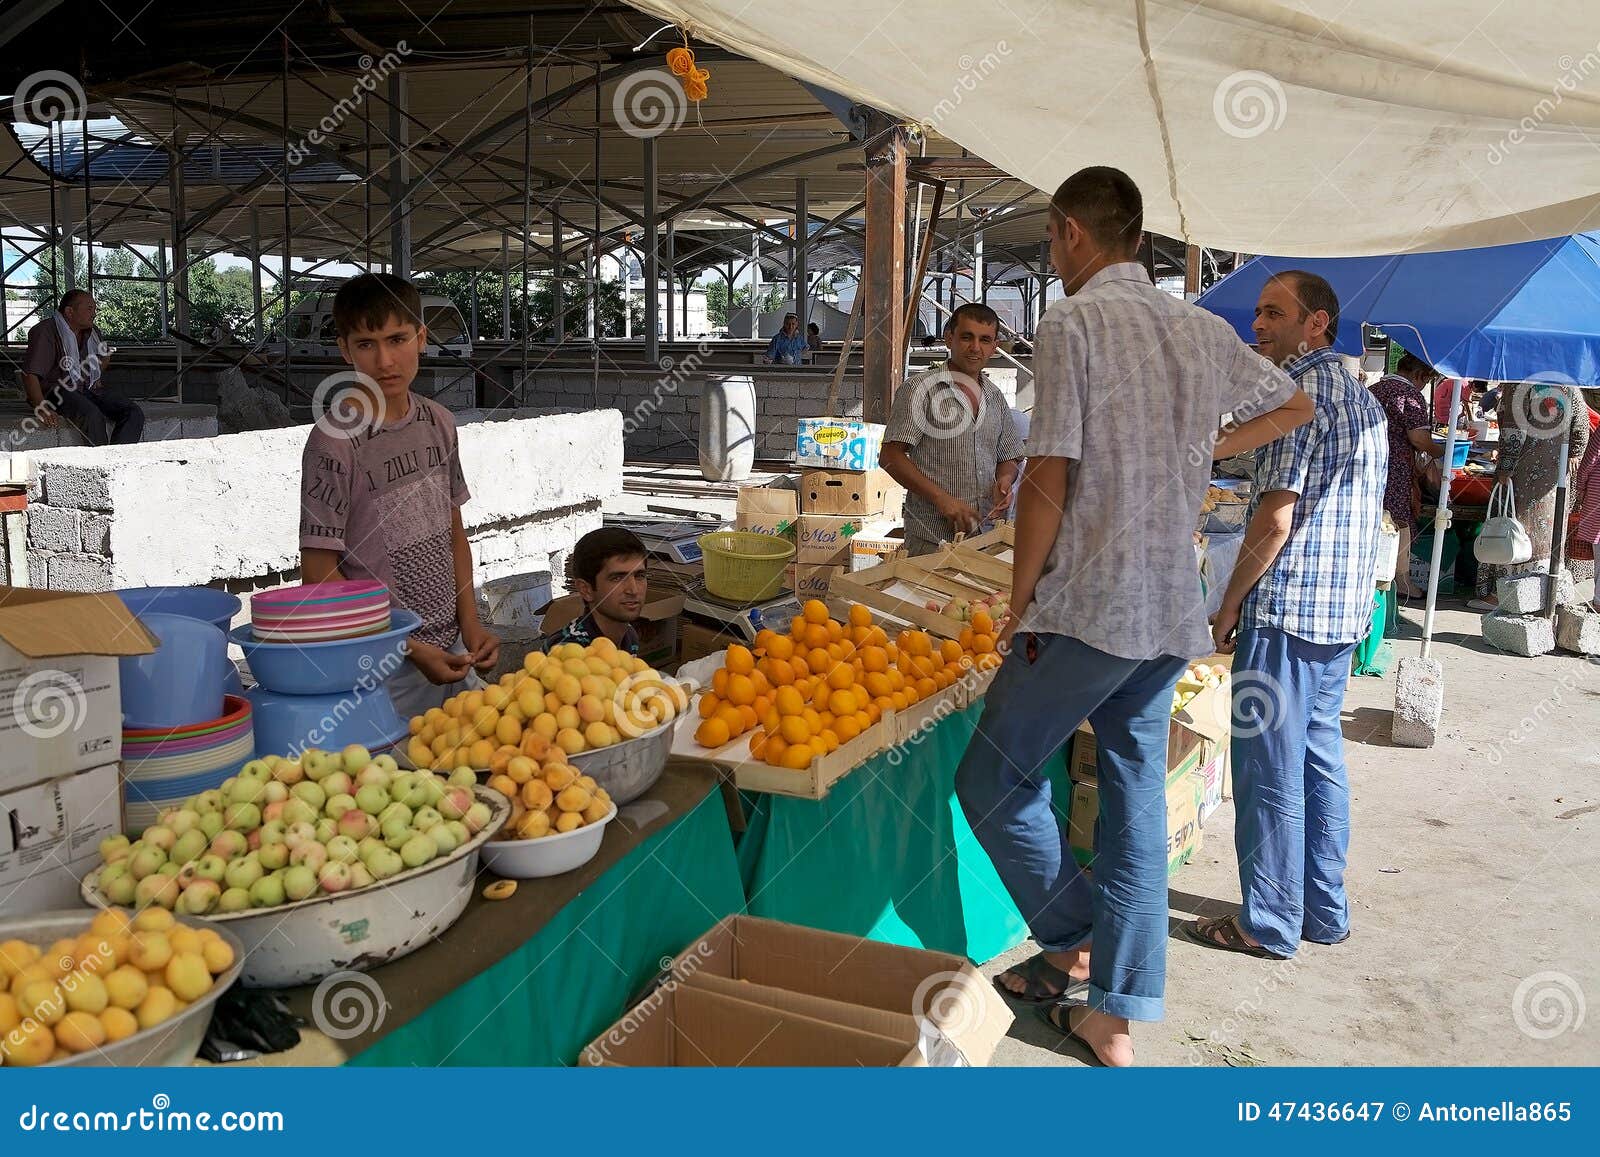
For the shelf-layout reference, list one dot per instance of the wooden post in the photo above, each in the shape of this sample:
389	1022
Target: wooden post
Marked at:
1191	272
883	272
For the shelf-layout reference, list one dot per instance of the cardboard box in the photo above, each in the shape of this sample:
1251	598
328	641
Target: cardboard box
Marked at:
826	539
837	443
1197	734
1212	774
658	626
683	1026
879	538
767	510
1184	836
862	492
50	835
696	639
961	1018
812	582
58	681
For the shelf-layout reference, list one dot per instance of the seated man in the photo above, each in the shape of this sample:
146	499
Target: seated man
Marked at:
951	441
61	376
608	574
788	344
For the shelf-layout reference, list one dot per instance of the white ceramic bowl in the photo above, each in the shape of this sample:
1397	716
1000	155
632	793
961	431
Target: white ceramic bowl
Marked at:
172	1043
547	855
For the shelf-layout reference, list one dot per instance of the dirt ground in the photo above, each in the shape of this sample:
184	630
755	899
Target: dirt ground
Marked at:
1473	879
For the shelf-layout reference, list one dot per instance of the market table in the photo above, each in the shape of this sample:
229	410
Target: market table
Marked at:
532	979
887	853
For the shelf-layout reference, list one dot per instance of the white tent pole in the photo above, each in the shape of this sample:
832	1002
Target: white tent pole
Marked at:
1441	518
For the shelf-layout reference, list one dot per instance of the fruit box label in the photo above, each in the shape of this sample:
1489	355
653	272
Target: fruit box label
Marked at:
838	443
355	932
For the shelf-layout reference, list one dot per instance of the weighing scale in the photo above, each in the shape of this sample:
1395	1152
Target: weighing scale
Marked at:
745	619
675	540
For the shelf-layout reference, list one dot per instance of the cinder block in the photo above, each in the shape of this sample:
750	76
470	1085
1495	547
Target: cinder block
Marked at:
79	487
39	571
78	572
1521	594
673	404
1578	630
1566	589
1519	634
52	528
1418	702
95	532
783	406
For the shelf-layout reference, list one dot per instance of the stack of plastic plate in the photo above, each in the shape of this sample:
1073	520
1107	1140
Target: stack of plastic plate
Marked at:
164	766
320	612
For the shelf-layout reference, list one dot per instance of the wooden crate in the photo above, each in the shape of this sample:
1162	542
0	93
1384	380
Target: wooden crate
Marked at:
901	587
996	543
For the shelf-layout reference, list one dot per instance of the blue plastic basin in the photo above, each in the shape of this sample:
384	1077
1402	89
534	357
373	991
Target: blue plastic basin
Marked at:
1463	448
207	604
204	603
328	668
178	684
288	724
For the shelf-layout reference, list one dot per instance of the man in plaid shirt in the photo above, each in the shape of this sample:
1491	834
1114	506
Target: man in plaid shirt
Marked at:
1300	599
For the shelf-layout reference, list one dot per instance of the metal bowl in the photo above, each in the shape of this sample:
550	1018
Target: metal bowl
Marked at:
302	942
172	1043
548	855
628	769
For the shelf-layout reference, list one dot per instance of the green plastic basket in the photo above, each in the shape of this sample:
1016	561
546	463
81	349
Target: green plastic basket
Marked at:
744	567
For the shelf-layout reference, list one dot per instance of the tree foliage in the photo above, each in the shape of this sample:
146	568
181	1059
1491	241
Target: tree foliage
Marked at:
130	311
717	308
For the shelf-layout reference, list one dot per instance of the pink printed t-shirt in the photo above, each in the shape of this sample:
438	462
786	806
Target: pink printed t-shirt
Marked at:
383	498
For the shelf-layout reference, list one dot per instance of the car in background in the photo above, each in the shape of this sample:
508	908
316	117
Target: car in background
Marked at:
312	333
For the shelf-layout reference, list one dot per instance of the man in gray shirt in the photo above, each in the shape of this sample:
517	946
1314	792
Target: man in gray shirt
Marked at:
61	375
950	440
1130	389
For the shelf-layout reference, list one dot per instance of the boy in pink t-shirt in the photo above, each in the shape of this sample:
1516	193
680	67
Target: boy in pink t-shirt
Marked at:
382	491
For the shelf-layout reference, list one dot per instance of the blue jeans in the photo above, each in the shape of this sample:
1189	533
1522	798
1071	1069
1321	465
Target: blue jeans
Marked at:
1290	791
1048	685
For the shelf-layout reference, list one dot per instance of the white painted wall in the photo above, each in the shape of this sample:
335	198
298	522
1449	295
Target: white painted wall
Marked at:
225	509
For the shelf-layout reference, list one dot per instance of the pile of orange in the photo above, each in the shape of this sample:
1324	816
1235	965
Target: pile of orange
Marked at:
802	694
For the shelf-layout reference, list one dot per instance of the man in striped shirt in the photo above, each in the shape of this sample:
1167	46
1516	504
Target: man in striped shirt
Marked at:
1300	599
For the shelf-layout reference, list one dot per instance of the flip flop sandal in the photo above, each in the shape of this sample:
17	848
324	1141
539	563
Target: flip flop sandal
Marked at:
1038	972
1059	1017
1205	933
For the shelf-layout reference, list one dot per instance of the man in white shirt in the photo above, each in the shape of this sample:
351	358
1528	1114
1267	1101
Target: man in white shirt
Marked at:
1130	385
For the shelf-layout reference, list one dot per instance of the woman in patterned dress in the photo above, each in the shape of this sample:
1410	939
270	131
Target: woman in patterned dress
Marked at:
1533	418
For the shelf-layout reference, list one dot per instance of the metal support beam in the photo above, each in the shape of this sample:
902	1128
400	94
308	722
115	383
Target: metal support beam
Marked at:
505	288
883	271
980	279
800	264
399	178
652	258
1044	287
258	331
559	294
672	280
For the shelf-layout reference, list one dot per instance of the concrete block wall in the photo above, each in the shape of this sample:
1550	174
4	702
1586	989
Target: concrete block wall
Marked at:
661	411
225	511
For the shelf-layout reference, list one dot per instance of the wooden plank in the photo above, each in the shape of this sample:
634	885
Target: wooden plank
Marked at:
883	267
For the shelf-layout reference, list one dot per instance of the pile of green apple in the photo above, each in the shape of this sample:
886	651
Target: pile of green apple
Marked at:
285	830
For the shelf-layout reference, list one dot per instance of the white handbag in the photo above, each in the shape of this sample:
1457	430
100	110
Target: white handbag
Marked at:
1503	541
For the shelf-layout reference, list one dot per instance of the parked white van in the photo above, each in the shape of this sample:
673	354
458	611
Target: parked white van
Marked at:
311	330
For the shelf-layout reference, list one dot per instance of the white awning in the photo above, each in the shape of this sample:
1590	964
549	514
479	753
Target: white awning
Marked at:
1324	127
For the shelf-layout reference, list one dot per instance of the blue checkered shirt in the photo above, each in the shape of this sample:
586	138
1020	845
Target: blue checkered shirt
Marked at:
1320	587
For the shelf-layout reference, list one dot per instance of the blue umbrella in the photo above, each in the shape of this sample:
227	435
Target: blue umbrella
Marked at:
1505	313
